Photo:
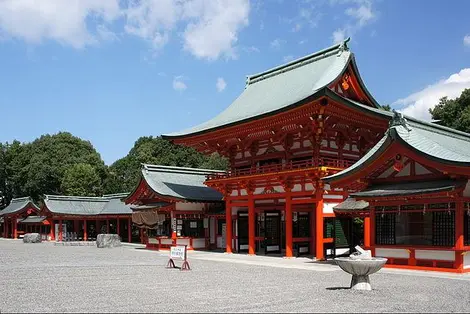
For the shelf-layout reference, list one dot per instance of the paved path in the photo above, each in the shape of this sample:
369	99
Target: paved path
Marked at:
47	278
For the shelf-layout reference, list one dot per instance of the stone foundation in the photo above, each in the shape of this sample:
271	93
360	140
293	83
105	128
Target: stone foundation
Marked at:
108	240
32	238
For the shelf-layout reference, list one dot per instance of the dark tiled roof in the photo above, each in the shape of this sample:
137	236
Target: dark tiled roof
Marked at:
33	219
180	183
409	188
18	204
87	206
351	204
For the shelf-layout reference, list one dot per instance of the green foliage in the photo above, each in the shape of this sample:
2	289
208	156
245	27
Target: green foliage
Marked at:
124	174
81	180
386	108
453	113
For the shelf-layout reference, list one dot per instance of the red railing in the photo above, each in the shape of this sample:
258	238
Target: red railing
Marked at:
291	165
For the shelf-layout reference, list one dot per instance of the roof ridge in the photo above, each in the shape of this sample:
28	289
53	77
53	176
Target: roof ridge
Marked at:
20	199
445	130
115	195
187	170
74	197
342	46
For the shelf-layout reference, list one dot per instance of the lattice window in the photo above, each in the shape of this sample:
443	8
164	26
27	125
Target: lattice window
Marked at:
385	229
443	228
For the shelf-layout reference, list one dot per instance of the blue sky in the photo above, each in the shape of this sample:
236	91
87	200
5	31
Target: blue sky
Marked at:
110	71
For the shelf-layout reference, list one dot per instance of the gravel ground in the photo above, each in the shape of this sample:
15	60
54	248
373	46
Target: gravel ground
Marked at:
47	278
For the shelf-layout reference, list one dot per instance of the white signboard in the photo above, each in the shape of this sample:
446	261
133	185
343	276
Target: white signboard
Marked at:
178	252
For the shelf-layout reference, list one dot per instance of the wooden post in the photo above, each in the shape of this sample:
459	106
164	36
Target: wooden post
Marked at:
319	254
129	230
367	232
251	225
118	227
76	226
228	227
85	233
15	227
107	226
52	231
60	230
288	216
459	235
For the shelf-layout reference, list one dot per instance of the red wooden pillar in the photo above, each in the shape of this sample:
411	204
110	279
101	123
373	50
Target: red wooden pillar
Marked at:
60	230
367	232
288	219
459	237
107	226
251	225
98	226
118	227
129	230
228	226
5	227
52	231
75	226
372	228
15	227
85	233
319	254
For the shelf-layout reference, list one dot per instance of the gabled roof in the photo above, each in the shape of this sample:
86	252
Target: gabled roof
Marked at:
33	219
282	88
87	206
185	184
433	141
18	204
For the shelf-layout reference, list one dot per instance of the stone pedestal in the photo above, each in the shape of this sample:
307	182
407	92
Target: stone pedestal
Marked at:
108	240
32	238
360	282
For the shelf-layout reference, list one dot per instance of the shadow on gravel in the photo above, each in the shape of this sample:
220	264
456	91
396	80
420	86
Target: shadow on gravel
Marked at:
337	288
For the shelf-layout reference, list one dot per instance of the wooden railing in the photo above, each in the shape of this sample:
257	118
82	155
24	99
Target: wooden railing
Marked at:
290	165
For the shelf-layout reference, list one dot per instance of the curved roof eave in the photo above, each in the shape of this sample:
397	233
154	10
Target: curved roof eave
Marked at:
361	82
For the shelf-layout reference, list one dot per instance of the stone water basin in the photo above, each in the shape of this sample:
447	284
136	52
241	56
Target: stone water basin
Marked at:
360	269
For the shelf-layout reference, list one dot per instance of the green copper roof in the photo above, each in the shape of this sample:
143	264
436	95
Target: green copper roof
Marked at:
281	88
409	188
18	204
87	206
436	142
181	183
33	219
351	204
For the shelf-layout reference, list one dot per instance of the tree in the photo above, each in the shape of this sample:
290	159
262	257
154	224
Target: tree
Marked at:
386	107
124	174
81	180
453	113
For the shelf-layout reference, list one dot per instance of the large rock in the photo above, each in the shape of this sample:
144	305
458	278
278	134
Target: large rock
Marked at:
32	238
108	240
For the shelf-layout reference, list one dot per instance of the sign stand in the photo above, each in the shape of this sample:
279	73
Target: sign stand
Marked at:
180	252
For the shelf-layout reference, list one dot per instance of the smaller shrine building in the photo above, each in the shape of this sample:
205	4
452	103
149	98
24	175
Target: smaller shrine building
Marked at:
173	206
412	189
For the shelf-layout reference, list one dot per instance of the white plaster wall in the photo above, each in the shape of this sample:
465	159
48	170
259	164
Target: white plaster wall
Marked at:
297	187
296	145
342	251
466	260
234	193
264	201
354	148
327	187
261	151
243	192
386	173
199	243
258	190
328	207
182	241
333	144
324	143
419	169
332	197
166	241
405	171
435	255
189	206
350	155
466	192
309	187
239	155
394	253
152	241
279	148
307	143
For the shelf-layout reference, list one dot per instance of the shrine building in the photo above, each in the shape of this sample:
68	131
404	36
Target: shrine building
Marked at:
172	205
60	217
310	150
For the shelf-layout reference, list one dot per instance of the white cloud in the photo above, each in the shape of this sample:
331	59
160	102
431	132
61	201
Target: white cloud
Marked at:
250	49
62	21
277	43
179	84
466	40
220	84
339	35
360	14
288	58
209	28
418	104
213	27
